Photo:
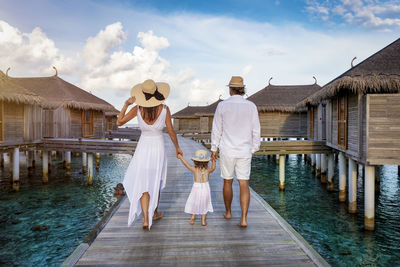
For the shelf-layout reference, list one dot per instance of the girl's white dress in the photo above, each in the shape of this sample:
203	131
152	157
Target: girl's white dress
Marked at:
199	200
147	171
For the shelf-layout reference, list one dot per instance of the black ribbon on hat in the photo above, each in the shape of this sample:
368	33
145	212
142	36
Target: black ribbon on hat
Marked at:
157	95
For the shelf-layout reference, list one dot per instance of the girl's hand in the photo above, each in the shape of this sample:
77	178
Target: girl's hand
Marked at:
130	101
179	152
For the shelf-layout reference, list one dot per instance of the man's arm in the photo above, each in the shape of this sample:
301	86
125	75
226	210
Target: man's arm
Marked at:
256	132
216	130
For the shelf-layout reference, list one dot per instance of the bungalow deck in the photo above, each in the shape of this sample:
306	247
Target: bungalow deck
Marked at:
172	241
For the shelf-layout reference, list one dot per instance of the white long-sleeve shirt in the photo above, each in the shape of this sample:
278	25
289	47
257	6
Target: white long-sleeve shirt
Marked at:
236	128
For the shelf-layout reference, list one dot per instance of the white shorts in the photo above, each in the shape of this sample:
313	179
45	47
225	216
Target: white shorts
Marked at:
240	166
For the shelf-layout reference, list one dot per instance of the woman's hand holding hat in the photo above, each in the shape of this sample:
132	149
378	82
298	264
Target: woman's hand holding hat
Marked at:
130	101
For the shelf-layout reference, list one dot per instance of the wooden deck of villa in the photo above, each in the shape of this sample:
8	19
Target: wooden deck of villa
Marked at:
172	241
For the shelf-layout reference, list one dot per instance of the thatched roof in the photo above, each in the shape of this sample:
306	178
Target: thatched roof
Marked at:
56	92
282	98
12	92
209	110
380	73
187	112
114	112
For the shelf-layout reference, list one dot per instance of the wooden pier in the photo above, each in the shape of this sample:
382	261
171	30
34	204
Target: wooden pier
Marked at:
172	241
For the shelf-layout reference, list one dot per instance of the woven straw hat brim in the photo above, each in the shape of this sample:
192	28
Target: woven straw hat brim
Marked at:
137	92
236	85
201	160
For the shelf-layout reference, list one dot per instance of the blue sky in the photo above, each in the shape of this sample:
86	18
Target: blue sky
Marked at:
107	46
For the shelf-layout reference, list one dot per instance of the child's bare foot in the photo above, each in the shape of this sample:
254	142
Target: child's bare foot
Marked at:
203	220
192	219
227	215
158	215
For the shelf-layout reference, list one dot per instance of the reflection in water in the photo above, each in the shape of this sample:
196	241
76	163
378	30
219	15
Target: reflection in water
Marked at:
324	222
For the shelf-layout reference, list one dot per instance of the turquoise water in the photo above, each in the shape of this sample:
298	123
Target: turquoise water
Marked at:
67	207
318	216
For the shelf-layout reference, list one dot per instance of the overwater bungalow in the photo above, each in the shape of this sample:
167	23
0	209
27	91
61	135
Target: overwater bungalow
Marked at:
362	118
68	111
111	120
195	119
279	117
20	114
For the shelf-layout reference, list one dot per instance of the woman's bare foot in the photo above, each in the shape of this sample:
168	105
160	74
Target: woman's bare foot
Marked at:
192	219
227	215
242	223
145	224
203	220
158	215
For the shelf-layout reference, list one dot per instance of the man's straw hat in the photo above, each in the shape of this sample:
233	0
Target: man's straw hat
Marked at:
150	93
201	156
236	81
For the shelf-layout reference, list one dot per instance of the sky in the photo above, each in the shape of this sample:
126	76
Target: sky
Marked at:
106	47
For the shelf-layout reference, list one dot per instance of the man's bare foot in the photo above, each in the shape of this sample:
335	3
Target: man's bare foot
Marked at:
158	215
192	219
227	215
203	220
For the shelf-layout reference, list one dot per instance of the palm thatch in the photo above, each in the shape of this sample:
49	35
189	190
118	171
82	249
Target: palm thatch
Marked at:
208	110
114	112
380	73
282	98
58	93
12	92
187	112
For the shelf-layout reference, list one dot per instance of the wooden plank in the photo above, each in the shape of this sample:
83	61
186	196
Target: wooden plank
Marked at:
172	241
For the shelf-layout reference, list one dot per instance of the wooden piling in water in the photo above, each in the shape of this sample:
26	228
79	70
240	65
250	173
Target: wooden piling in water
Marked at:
1	160
318	164
331	166
352	176
342	177
15	171
369	198
84	162
313	163
29	162
97	161
68	163
45	163
282	172
53	155
90	168
323	168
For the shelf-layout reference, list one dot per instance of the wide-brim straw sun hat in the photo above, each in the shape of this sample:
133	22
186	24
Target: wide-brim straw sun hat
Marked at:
150	93
236	81
201	156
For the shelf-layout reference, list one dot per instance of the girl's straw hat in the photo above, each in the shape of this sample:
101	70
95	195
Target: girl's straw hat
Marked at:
150	93
201	156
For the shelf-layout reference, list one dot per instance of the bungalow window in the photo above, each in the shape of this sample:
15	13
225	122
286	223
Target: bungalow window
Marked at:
342	121
109	123
87	123
1	121
311	122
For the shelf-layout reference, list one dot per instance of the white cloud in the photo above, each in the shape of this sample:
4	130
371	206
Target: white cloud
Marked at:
246	70
369	14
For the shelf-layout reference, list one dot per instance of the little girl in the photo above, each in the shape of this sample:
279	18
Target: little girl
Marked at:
199	200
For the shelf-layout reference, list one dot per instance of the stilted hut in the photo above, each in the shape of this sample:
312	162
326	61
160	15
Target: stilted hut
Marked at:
111	120
68	111
362	118
20	114
279	117
206	115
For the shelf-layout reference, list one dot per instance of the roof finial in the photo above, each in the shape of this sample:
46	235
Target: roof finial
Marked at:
315	79
7	71
354	58
220	96
188	103
56	71
269	81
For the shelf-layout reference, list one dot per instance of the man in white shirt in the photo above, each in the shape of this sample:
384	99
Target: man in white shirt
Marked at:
236	132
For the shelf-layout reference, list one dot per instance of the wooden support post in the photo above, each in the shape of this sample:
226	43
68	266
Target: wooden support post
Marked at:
342	177
369	198
361	170
1	160
48	152
34	159
45	163
318	163
29	163
323	168
313	163
352	176
68	163
277	159
398	170
90	168
15	173
377	179
282	172
63	159
97	161
53	155
84	162
331	163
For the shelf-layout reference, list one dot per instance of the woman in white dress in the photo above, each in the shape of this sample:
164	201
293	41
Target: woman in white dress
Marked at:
147	171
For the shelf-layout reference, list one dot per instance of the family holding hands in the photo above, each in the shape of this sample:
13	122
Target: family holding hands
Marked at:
235	132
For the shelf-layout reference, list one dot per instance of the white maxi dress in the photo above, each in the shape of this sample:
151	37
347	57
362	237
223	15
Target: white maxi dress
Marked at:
147	171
